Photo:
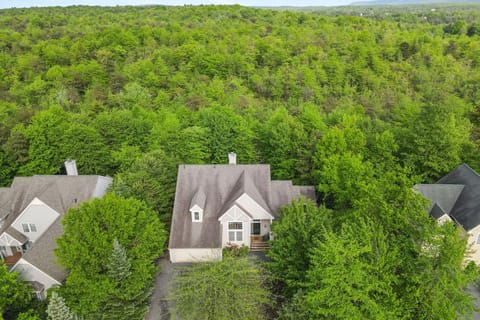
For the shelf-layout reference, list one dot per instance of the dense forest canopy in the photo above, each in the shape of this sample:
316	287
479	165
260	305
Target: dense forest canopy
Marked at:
106	85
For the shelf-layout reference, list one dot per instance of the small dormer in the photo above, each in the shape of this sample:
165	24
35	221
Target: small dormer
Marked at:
197	206
197	213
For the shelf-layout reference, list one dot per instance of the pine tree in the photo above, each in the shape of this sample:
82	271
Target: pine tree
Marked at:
57	309
123	303
119	266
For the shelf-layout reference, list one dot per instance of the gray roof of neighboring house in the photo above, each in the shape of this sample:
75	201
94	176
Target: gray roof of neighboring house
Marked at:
222	185
5	197
437	212
42	254
466	210
17	235
58	192
445	195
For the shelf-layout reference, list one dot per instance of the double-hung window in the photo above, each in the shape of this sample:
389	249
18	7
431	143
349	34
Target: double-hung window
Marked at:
29	227
235	231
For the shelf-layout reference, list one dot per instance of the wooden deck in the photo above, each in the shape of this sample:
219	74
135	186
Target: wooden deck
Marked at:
11	260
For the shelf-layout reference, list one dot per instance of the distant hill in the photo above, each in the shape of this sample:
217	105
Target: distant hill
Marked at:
410	2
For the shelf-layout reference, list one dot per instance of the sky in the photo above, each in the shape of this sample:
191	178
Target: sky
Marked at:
262	3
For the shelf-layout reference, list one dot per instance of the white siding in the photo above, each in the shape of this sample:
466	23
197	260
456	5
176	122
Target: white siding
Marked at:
195	255
30	273
265	227
253	208
38	214
443	219
235	214
8	241
475	248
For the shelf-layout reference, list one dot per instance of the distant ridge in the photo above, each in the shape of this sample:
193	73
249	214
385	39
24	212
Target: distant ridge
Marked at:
410	2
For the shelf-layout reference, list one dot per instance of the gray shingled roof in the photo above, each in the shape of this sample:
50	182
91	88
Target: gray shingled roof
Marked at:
42	255
14	233
5	197
436	211
58	192
466	210
222	185
446	195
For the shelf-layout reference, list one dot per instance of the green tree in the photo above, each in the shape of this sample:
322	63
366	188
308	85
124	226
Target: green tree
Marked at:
297	227
15	296
85	249
282	141
57	309
227	132
353	274
123	302
150	178
205	290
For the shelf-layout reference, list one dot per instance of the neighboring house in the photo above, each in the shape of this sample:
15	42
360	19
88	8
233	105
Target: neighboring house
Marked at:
30	221
456	197
219	205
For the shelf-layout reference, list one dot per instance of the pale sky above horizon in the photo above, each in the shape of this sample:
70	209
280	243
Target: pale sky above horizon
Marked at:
4	4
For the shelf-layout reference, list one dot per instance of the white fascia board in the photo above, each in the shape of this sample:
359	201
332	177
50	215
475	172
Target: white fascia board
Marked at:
8	240
256	211
235	213
196	208
23	261
35	201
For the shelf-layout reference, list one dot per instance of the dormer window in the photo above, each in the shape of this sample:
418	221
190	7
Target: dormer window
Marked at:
197	205
197	213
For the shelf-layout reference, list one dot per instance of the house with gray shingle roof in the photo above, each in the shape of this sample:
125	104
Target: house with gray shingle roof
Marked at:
225	204
30	221
456	197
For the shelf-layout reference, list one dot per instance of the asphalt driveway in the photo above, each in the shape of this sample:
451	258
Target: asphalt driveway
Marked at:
159	305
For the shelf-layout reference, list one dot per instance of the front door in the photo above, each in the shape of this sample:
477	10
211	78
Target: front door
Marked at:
255	228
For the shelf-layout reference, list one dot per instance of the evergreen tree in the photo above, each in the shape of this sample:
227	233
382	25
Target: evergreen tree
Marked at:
123	302
119	267
57	309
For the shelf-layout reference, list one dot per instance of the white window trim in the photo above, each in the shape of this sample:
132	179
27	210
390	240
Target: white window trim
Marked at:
198	210
478	239
29	227
235	232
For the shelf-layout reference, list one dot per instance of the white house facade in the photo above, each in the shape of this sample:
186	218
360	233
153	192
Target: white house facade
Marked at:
217	206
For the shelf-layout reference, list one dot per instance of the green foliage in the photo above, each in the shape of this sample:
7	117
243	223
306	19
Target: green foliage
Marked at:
362	107
122	303
57	309
119	267
150	178
85	249
15	296
298	227
234	250
227	289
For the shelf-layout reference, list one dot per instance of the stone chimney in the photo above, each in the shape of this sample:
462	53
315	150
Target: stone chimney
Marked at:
232	158
71	167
